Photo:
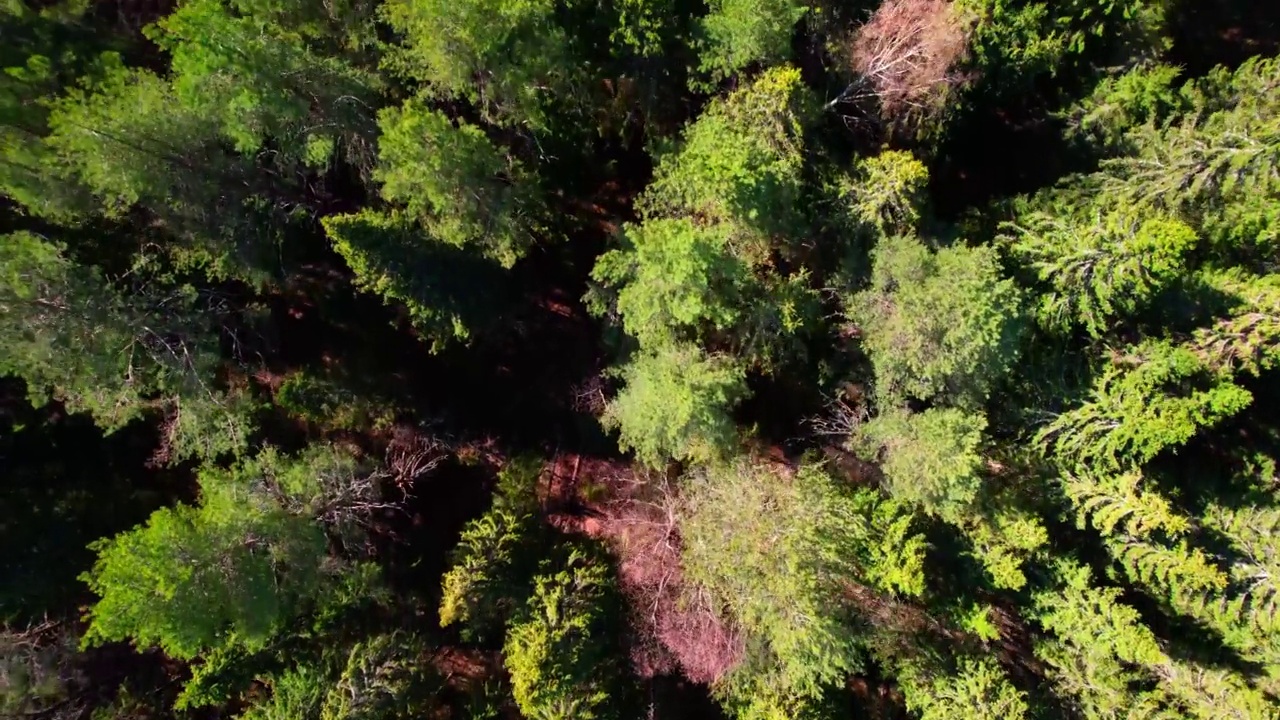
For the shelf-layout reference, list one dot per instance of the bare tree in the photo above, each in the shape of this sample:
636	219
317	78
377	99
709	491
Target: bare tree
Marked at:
842	418
676	623
38	676
349	494
414	453
906	58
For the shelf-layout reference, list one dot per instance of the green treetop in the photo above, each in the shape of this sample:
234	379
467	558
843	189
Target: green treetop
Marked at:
228	571
779	551
447	292
676	404
1102	268
1214	165
937	325
557	649
262	83
509	58
463	190
931	459
1154	397
738	33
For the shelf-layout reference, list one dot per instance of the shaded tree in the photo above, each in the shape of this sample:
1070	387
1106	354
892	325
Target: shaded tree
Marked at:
496	557
447	292
74	336
131	142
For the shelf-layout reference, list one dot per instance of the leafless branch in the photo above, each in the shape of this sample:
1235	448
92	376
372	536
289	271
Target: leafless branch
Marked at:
906	58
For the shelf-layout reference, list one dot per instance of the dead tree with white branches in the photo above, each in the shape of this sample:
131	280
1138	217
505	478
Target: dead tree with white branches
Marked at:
676	624
38	674
906	59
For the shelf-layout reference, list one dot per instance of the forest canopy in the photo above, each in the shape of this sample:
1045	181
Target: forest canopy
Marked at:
567	360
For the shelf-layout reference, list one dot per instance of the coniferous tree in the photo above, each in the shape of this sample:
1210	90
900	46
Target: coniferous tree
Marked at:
936	324
228	571
456	183
556	648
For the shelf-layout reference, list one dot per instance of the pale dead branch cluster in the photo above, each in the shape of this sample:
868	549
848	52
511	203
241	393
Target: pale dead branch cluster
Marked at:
841	420
906	58
589	395
37	672
353	498
677	626
413	454
349	497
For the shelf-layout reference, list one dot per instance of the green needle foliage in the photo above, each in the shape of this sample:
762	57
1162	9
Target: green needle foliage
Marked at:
936	324
392	256
931	459
463	190
262	82
510	59
556	648
1102	270
231	570
779	551
676	404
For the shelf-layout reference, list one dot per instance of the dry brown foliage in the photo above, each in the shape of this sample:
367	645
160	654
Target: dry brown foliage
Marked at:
907	58
676	625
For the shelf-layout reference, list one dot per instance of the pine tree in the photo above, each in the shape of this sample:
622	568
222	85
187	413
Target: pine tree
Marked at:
1114	500
1138	408
888	192
1246	340
231	570
931	459
976	690
384	678
448	293
495	558
1102	268
777	550
1214	165
511	60
1101	650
